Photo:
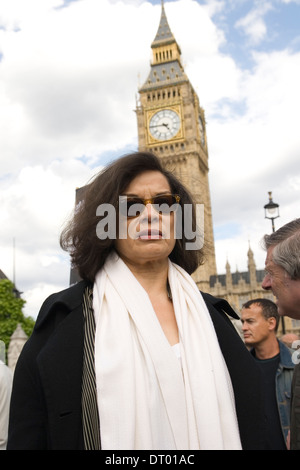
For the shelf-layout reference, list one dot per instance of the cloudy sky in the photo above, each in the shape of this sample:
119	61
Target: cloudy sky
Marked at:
69	76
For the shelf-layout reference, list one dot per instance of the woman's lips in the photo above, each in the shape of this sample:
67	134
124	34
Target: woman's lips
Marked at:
149	234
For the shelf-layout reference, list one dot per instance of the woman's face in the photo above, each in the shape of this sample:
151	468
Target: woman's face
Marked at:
149	237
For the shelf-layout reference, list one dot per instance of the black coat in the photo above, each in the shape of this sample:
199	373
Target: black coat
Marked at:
46	398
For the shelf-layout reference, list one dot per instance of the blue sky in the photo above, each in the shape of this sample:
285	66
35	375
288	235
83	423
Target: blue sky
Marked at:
280	29
69	79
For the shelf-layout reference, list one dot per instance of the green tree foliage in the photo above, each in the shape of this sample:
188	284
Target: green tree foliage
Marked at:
11	313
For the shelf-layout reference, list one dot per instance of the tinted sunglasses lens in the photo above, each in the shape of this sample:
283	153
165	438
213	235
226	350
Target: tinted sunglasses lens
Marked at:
131	207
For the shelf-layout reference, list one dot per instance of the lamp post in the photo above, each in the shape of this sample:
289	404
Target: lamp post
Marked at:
271	210
272	213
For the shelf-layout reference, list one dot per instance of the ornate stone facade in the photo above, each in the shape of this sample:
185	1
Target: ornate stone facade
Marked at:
239	287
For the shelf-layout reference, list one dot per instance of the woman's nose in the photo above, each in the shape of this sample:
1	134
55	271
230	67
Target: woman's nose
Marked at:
150	213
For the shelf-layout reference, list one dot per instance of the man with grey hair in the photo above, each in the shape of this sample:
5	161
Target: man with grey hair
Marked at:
283	279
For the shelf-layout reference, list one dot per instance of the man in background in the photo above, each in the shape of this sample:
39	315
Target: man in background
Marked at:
260	321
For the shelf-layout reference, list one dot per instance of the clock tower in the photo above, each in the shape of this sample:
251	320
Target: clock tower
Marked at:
171	123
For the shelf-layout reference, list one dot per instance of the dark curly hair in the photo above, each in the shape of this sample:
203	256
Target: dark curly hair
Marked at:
88	253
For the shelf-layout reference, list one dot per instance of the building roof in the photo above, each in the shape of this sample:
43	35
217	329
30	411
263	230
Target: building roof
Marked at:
260	273
16	292
169	73
2	275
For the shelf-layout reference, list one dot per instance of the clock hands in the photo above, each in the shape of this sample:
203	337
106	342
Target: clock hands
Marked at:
162	124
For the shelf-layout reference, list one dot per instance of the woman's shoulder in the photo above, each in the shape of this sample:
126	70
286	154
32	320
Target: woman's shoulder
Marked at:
65	300
65	305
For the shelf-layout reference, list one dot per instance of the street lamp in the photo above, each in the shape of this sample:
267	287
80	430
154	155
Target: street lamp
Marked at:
272	213
271	210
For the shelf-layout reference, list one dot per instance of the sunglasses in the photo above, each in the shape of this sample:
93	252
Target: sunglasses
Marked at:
132	207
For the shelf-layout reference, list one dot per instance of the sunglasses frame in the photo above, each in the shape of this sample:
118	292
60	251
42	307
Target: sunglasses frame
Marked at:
144	202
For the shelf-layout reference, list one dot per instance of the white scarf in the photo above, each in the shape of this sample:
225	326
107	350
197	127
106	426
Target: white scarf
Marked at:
147	398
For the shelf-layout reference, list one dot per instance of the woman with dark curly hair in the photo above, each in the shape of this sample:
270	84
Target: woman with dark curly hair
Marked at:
133	356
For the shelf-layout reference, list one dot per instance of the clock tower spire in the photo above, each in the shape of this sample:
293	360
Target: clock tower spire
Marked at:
171	123
164	46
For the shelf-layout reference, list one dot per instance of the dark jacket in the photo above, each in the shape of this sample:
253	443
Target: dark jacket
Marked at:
283	383
46	398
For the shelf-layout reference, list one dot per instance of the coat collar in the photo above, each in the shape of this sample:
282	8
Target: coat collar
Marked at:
286	356
66	300
220	304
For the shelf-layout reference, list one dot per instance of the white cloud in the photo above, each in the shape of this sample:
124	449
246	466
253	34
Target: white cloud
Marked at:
297	2
34	206
62	81
256	152
253	24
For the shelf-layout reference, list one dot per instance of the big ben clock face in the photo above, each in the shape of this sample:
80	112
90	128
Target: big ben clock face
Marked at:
164	124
